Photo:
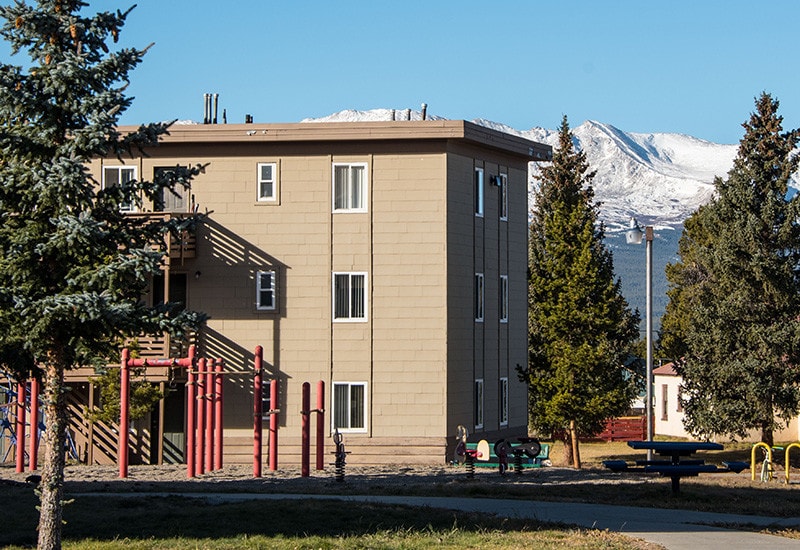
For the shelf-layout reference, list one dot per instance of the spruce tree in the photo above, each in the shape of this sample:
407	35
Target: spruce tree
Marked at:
580	326
73	267
734	315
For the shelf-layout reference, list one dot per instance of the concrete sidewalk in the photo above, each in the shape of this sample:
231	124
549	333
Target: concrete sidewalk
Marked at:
673	529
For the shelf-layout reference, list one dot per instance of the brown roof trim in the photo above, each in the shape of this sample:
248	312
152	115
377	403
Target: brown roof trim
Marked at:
355	131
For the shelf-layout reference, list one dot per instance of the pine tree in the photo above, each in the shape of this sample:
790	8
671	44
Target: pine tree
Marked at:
734	315
73	267
580	326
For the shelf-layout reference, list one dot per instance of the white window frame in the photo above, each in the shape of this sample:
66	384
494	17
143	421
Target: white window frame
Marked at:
502	184
503	401
260	290
131	207
479	402
480	297
261	181
348	194
504	298
480	194
350	297
349	410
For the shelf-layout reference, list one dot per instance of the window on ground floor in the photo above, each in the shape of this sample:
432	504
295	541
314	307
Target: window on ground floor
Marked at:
349	406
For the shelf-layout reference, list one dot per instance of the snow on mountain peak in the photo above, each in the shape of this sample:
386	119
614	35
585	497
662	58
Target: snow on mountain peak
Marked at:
658	178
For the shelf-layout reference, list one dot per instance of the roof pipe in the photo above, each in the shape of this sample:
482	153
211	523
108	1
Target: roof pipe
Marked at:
424	111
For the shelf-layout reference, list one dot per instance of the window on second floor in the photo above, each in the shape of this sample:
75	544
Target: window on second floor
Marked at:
116	175
169	201
504	298
350	187
349	296
265	290
267	182
479	300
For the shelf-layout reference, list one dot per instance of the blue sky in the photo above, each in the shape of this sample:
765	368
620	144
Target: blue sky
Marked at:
687	66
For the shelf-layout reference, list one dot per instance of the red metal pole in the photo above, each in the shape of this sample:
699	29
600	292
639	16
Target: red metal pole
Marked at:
305	439
257	411
273	426
200	442
320	425
33	452
124	389
191	421
21	387
210	398
218	414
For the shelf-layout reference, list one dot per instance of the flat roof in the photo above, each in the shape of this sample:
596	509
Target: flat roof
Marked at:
356	131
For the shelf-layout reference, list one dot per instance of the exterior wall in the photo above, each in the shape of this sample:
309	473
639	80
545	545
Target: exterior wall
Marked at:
668	416
487	350
419	349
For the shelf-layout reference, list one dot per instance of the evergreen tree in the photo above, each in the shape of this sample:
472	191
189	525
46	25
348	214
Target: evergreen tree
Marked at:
73	267
734	312
580	326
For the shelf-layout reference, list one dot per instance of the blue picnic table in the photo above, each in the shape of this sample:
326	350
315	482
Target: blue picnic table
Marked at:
678	461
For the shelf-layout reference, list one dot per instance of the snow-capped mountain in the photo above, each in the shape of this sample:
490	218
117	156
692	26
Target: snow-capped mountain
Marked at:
658	178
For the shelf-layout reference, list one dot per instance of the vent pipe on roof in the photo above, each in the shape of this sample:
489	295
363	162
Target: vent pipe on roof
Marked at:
206	111
393	117
248	119
424	111
216	106
224	116
408	114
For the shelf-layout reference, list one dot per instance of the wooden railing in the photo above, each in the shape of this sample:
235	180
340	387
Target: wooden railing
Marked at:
179	247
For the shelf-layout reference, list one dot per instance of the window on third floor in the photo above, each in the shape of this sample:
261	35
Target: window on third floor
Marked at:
350	187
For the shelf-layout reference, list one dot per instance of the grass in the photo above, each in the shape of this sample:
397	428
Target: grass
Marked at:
179	522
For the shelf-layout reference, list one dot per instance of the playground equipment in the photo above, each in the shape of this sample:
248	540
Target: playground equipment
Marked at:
259	413
22	400
340	456
305	440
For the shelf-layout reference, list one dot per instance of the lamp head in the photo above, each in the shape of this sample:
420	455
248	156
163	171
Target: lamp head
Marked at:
634	235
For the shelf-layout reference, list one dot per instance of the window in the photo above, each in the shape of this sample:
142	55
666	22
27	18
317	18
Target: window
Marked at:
349	188
265	290
350	296
479	297
504	298
680	399
169	201
502	185
479	403
504	401
664	402
116	175
479	192
349	406
267	172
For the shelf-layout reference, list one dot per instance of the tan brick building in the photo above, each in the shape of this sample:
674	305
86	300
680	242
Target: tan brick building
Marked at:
387	259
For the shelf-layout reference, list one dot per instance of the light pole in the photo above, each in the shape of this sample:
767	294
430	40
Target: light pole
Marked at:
634	236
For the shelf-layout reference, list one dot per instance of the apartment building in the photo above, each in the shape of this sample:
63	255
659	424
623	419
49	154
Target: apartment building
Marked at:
386	259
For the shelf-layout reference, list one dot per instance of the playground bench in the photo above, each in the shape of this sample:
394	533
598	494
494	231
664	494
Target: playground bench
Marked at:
493	461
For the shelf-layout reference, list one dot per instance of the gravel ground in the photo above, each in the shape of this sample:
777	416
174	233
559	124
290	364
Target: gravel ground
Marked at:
288	479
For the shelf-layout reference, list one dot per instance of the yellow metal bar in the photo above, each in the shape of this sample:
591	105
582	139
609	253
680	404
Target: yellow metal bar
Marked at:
788	448
753	458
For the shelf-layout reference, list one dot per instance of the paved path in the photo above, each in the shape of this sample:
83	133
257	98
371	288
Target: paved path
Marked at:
673	529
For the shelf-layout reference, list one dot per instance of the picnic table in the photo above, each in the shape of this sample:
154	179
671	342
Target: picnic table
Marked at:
678	461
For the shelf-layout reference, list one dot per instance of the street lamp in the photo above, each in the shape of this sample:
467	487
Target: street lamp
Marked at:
634	236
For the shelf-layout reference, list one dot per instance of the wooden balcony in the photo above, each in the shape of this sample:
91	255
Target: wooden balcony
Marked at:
180	247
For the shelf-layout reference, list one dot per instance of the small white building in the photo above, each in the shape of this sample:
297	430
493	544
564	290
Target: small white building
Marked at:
668	415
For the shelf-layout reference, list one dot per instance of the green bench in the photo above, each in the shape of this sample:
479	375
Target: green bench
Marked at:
494	462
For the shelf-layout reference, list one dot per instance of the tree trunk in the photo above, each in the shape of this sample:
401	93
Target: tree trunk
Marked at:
52	484
576	452
767	435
